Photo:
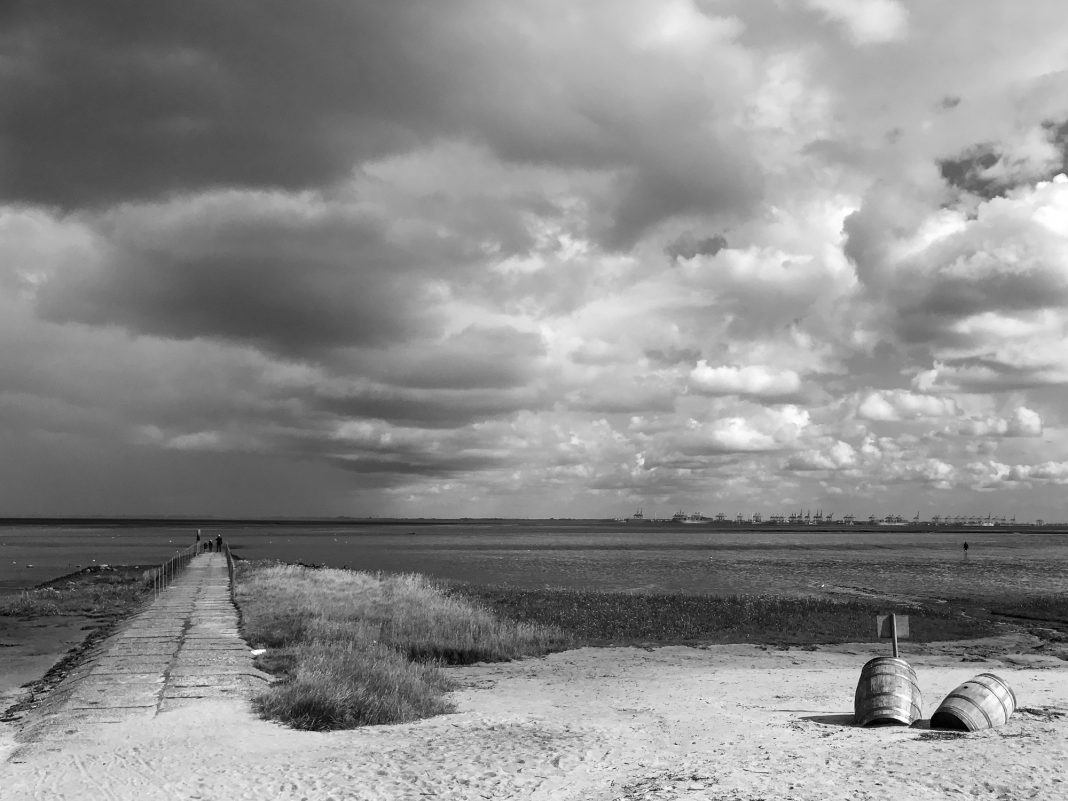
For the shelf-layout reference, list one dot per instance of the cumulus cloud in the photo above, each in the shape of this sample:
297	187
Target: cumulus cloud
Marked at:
1023	422
837	456
977	292
900	404
752	380
993	474
769	429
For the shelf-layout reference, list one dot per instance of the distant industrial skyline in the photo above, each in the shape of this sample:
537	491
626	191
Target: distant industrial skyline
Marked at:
819	517
541	259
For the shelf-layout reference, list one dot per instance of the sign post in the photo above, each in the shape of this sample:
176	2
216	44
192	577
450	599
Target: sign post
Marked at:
893	627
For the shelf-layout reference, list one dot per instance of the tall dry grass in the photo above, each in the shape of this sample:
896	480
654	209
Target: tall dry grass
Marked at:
359	648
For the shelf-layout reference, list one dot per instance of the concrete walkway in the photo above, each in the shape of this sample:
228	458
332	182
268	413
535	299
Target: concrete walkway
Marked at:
182	649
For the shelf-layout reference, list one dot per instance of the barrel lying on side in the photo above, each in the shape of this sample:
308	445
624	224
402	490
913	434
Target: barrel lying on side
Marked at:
983	702
887	692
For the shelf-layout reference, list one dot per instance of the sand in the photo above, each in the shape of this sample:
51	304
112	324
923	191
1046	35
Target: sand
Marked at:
28	648
722	722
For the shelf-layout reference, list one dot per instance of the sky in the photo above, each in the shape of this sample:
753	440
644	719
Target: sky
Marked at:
541	259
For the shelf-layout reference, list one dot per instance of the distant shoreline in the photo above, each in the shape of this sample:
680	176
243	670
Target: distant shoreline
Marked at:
655	525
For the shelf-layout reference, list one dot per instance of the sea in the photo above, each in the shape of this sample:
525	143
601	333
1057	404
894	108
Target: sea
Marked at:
601	555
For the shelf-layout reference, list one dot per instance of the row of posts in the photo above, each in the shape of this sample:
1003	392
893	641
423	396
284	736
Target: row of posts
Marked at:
168	571
229	567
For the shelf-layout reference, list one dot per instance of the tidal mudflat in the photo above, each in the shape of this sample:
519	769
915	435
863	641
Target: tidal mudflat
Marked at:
593	555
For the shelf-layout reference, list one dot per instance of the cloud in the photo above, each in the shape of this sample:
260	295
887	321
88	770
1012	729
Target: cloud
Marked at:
976	292
766	430
483	258
1023	422
208	96
899	404
838	456
1033	154
688	246
993	474
753	381
866	21
175	87
426	408
478	357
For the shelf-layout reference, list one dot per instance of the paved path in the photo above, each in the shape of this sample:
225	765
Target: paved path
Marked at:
183	648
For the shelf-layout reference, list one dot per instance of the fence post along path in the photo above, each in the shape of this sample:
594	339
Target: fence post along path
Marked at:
182	649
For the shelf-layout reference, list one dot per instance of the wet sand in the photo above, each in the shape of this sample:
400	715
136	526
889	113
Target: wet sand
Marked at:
29	647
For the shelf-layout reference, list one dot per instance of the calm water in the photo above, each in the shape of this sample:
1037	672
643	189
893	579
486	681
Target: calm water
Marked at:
608	556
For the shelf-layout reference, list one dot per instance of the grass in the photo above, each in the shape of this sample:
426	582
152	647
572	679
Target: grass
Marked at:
355	648
93	592
360	648
1051	609
607	618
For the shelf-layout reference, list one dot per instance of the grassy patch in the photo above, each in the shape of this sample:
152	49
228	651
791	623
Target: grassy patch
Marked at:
93	592
359	648
606	618
1051	609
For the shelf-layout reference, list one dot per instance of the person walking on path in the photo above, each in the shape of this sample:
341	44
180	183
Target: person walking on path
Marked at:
198	540
218	543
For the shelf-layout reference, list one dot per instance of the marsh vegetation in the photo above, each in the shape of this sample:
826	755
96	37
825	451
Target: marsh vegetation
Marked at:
356	648
614	618
104	591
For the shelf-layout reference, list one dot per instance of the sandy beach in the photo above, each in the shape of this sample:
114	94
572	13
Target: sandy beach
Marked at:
723	722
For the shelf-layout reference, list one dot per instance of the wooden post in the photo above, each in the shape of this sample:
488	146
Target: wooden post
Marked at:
893	632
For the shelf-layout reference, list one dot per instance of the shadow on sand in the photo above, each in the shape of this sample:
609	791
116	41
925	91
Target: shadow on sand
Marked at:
847	720
831	720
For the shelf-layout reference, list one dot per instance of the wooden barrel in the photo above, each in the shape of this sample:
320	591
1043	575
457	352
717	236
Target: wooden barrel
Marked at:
887	692
980	703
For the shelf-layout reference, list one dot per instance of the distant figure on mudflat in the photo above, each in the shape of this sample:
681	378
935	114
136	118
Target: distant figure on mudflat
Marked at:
966	547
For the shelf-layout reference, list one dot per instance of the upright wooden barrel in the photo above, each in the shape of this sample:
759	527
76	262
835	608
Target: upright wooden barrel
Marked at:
980	703
887	692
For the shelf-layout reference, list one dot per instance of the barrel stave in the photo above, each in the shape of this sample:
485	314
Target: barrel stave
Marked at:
983	702
887	692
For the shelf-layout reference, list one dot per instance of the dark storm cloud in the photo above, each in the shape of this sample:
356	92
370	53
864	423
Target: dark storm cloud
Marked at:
966	172
439	408
426	465
262	270
985	171
686	247
119	98
476	358
669	357
719	186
